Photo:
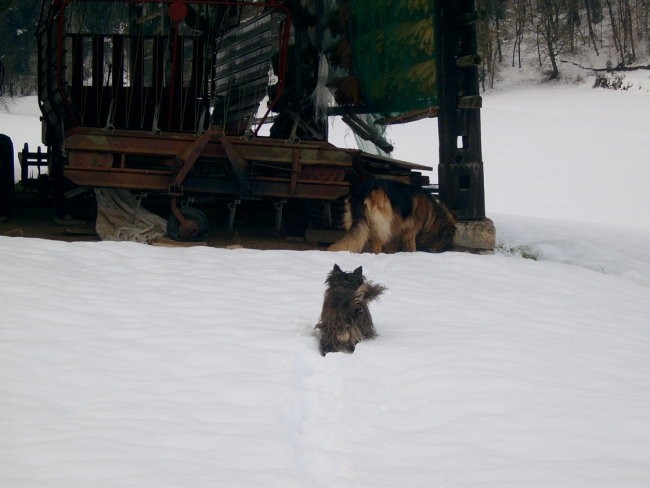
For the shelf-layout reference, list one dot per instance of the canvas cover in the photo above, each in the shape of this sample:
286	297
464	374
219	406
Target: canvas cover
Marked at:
121	217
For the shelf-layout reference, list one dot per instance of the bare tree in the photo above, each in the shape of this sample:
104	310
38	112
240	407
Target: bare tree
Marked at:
549	18
593	12
519	13
620	14
491	15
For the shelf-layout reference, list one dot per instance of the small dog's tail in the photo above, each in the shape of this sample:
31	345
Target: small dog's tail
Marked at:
368	292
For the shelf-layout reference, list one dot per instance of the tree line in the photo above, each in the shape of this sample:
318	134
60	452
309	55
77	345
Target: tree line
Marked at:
617	32
18	54
510	32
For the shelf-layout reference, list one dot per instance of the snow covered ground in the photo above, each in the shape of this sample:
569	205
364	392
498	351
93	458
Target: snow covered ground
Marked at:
124	365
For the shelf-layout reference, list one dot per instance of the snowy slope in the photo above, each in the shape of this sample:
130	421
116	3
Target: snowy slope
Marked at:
569	153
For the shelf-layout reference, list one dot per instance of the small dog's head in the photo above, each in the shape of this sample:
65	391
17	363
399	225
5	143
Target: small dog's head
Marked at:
338	277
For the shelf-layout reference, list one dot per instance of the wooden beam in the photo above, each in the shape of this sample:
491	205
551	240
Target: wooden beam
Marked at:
460	169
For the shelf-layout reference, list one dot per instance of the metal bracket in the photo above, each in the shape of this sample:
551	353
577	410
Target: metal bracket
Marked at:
298	122
293	138
279	206
156	115
186	159
232	207
110	127
238	163
186	228
175	190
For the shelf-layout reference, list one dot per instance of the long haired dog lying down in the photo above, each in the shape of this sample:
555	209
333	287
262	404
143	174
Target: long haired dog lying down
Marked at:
345	319
386	215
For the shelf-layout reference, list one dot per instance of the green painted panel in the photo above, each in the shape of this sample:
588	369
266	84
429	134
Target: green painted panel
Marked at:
393	46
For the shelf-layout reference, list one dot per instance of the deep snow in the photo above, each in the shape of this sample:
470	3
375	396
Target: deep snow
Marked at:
127	365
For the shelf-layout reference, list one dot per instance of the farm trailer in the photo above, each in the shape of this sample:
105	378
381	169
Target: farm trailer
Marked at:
171	97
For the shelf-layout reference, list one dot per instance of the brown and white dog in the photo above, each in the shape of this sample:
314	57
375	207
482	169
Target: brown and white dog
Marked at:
388	216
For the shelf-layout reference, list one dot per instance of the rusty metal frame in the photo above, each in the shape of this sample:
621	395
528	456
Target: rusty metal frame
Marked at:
61	5
184	161
141	160
238	163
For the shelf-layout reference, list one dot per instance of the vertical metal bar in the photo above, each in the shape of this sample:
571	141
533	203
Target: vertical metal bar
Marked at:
98	75
77	74
176	78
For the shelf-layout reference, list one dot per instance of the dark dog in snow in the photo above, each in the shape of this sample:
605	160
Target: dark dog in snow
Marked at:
345	319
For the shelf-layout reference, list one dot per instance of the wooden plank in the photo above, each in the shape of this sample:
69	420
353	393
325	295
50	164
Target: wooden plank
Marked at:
390	161
119	178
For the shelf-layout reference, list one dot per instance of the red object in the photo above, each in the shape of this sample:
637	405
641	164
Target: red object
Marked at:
177	11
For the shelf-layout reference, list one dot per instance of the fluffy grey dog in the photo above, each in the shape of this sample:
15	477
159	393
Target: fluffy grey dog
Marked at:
345	319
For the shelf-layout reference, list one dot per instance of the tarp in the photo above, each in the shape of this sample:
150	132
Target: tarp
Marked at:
121	217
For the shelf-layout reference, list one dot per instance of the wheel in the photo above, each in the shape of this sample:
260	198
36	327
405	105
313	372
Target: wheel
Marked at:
196	230
7	184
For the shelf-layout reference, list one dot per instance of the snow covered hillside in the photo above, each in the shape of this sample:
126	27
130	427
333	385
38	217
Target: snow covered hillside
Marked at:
124	365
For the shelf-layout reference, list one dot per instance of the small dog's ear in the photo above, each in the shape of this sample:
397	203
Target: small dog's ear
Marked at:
359	271
336	268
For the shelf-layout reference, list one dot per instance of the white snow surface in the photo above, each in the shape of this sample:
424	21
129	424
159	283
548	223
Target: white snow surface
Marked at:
126	365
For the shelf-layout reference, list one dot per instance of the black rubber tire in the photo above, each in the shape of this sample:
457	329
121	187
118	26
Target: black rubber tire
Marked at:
190	213
7	183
